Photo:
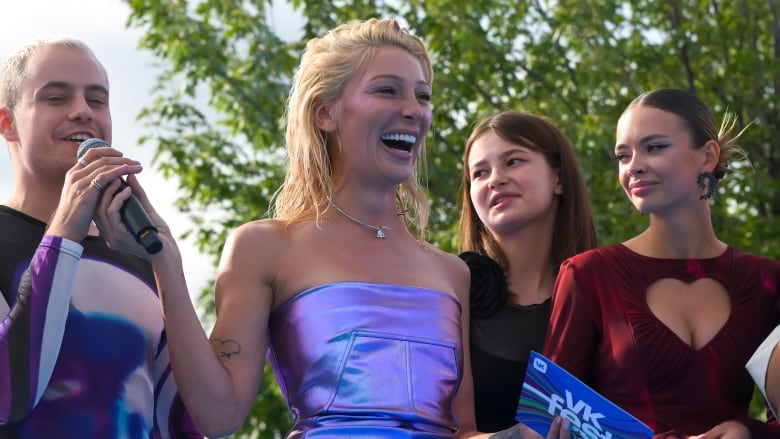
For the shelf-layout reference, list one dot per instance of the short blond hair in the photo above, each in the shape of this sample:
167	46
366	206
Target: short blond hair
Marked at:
14	70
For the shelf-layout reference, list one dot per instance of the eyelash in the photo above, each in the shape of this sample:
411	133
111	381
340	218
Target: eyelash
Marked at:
425	97
650	148
481	172
59	99
657	146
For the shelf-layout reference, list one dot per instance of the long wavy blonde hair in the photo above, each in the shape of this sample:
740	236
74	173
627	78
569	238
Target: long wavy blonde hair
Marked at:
327	64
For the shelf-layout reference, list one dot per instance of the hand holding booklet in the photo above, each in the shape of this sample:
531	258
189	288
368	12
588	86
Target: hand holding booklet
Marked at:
550	391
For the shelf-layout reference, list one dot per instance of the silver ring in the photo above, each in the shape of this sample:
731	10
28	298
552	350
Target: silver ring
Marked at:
83	162
97	185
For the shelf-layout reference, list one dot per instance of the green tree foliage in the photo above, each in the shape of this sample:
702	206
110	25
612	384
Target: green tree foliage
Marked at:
580	62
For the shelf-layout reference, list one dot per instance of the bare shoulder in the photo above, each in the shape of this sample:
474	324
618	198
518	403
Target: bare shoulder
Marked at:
254	246
454	268
261	228
266	233
450	261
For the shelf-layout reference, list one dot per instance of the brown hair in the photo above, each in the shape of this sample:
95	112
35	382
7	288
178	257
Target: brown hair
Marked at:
574	231
699	120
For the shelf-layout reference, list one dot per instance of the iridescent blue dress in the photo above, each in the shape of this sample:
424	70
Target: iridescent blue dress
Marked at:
360	359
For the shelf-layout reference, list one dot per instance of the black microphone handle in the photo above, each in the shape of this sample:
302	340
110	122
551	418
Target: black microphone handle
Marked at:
139	223
133	215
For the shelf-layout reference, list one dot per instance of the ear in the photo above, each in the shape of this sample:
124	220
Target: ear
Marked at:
325	117
711	151
558	189
7	125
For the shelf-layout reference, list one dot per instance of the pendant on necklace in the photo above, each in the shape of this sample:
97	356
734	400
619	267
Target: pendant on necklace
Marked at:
380	230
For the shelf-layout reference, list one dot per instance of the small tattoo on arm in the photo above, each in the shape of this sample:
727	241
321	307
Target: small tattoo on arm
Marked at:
225	348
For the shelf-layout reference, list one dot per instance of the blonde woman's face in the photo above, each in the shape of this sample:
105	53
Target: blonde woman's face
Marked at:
382	119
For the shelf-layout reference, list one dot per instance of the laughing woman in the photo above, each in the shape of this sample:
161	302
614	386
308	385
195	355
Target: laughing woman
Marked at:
360	318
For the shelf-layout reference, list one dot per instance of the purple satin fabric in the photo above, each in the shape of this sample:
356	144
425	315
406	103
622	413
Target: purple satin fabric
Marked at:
368	360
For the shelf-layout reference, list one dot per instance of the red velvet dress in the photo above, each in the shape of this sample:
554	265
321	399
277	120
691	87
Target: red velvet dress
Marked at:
602	330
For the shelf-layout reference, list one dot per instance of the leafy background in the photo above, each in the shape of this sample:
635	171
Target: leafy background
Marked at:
579	62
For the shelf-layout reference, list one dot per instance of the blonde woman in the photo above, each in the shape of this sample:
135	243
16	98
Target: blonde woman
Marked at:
361	320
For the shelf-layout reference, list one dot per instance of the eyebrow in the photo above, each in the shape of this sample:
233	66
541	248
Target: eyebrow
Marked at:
648	138
397	78
514	150
62	85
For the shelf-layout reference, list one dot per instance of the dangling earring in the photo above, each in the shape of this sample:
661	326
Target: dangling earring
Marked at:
707	180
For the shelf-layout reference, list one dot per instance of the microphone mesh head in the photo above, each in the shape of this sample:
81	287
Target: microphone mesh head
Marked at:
89	144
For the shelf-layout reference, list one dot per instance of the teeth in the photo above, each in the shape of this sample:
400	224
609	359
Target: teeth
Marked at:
408	138
78	137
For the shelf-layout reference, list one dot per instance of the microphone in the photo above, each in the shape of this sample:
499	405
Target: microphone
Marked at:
133	214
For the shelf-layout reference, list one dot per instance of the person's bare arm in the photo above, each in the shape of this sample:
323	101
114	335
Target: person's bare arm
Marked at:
218	376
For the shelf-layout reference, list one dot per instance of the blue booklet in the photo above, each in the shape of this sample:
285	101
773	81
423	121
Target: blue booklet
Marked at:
549	391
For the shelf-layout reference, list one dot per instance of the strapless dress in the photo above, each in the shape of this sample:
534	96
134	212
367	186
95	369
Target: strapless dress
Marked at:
368	360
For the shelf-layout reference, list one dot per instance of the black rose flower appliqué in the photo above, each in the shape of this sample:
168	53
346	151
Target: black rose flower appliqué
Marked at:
488	290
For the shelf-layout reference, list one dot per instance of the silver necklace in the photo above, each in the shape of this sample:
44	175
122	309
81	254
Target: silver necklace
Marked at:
380	231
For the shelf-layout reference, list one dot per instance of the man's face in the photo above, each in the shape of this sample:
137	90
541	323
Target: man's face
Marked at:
63	100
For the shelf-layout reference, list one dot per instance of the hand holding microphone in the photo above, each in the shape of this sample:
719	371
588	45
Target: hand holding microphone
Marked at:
132	212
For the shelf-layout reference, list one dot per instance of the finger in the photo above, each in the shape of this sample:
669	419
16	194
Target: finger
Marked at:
118	236
99	215
93	154
112	201
100	157
97	184
565	432
100	178
113	171
555	428
139	192
120	194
